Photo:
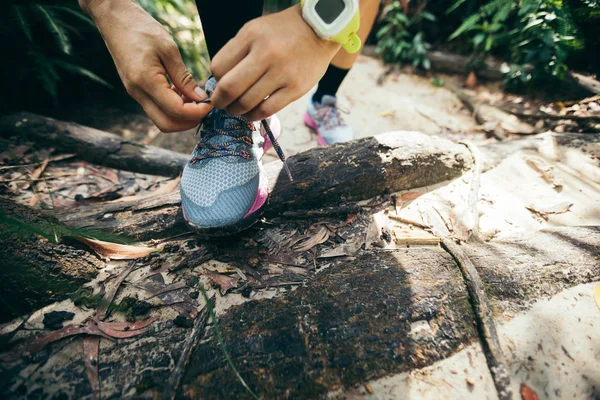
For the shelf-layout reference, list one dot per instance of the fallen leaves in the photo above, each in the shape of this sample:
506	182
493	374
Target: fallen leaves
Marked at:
163	189
546	170
528	393
542	211
116	251
321	236
91	349
224	282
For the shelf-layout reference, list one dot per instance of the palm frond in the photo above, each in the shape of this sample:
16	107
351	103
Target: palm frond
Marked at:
21	20
77	14
62	40
79	70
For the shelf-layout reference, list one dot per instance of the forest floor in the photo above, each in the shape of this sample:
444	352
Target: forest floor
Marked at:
532	231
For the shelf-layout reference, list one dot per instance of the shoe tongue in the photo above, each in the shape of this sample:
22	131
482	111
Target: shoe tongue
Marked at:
328	100
210	85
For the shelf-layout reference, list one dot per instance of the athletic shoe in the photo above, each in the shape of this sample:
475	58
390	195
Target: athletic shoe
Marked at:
224	186
325	119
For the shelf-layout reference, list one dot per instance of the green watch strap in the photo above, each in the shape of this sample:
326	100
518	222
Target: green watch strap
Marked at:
347	37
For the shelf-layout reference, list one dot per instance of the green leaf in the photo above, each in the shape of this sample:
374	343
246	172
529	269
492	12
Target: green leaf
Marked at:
79	70
467	25
426	63
454	6
20	18
429	16
75	13
62	40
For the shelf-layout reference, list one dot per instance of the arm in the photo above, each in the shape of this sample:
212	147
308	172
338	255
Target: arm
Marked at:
277	55
145	54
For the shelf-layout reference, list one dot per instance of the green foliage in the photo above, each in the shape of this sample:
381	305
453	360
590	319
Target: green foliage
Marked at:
40	43
400	39
537	35
181	18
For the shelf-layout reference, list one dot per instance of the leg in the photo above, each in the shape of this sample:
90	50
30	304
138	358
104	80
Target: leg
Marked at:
221	19
343	60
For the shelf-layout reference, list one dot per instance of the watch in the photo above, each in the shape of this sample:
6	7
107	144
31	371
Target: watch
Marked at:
335	20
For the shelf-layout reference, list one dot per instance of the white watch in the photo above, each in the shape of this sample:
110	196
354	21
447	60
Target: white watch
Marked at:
335	20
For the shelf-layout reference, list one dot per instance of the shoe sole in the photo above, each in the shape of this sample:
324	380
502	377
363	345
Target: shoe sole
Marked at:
308	121
228	230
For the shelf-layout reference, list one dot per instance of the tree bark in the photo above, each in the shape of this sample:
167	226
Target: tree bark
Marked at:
93	145
325	176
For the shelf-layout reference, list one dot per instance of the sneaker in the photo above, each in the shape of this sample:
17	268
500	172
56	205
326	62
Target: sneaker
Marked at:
224	186
325	119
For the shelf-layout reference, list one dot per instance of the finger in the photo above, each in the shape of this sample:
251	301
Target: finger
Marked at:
158	89
237	81
228	57
249	100
174	88
181	77
272	105
163	121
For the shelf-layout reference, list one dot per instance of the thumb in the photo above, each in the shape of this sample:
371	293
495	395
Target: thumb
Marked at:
182	78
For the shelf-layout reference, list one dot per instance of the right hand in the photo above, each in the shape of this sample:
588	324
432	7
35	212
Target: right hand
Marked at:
145	54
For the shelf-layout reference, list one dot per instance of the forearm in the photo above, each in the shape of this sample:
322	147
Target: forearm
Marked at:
98	10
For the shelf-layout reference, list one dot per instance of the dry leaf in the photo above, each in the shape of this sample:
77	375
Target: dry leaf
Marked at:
223	281
368	388
40	342
543	212
387	113
320	237
91	346
546	170
163	189
471	81
527	393
115	251
597	295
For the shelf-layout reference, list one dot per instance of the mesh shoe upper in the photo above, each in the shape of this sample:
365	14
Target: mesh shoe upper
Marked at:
219	185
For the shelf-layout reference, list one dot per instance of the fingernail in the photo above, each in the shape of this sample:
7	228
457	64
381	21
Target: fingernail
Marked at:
200	92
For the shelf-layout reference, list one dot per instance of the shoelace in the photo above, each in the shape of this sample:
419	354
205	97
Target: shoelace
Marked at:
214	150
330	115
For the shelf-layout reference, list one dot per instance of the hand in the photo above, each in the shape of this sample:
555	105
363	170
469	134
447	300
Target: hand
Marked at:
145	54
277	55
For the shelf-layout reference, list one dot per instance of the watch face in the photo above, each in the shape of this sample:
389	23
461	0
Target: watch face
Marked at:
329	10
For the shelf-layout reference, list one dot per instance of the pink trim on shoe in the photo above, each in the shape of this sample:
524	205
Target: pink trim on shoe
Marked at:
308	121
262	194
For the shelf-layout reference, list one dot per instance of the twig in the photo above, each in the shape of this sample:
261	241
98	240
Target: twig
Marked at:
188	350
473	197
481	308
409	222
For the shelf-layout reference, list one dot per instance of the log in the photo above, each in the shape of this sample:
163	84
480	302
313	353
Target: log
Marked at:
93	145
457	64
36	271
325	176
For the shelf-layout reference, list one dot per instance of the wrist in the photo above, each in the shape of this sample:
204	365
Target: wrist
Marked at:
98	9
327	45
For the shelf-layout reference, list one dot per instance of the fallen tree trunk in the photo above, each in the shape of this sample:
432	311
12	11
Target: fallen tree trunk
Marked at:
35	270
93	145
325	176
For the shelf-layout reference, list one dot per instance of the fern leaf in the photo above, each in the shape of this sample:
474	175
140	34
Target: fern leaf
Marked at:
79	70
20	18
77	14
467	24
62	40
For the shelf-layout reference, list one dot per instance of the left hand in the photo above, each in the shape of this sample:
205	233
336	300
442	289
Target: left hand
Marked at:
277	55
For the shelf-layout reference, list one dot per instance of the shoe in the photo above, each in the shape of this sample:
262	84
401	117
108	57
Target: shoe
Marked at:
325	119
224	186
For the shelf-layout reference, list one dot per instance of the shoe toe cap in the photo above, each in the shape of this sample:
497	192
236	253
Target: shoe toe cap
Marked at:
229	207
